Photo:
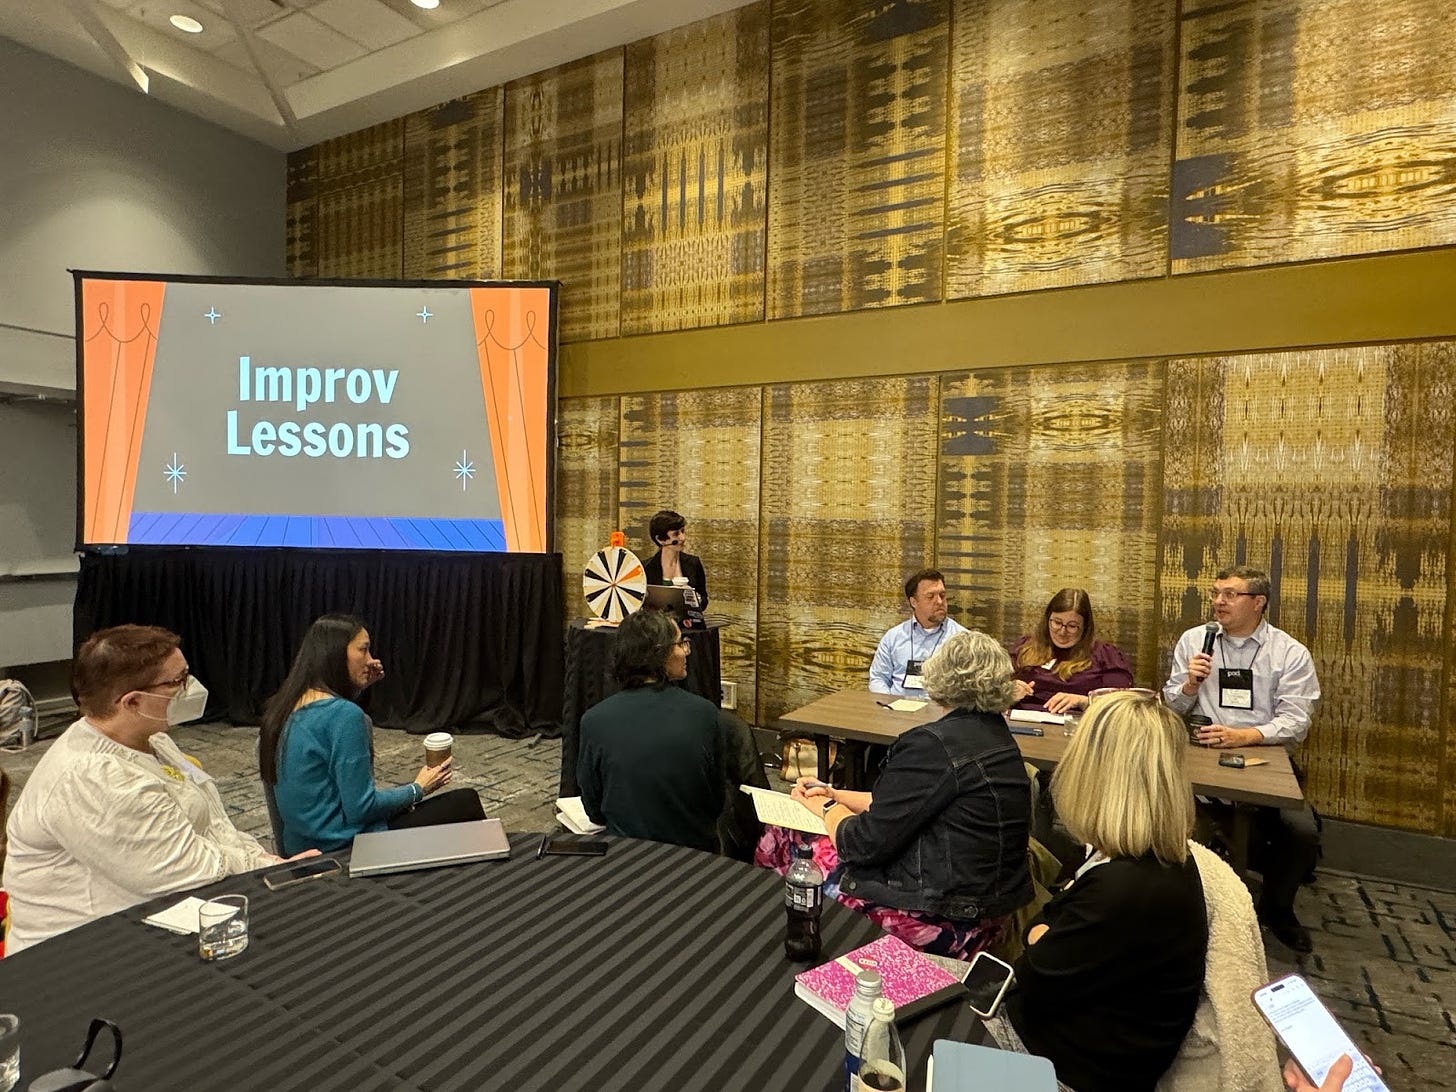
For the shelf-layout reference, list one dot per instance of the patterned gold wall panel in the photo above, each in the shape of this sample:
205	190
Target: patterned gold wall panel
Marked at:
697	452
1052	478
856	205
301	222
1313	129
1061	132
452	188
360	181
848	477
1331	469
563	195
695	169
586	486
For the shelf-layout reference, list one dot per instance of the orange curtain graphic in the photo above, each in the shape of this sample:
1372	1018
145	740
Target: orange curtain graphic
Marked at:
512	328
119	325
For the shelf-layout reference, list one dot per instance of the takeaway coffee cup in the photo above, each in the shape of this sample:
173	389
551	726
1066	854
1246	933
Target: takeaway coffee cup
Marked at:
1196	721
437	747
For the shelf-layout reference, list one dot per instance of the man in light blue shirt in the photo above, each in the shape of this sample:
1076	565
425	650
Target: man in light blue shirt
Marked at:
1257	687
905	647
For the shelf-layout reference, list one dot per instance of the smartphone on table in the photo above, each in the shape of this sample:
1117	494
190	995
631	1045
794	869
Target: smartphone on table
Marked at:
987	982
1311	1033
297	871
575	847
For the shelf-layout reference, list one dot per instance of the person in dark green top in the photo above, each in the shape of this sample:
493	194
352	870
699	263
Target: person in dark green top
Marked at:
316	750
652	762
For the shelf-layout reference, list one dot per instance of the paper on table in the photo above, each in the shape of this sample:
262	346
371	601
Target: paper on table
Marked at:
179	918
571	813
1036	716
907	705
781	810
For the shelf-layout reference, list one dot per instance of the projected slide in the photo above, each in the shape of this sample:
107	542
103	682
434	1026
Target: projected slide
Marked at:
400	417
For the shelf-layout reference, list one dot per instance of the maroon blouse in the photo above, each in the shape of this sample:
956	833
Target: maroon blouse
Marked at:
1108	668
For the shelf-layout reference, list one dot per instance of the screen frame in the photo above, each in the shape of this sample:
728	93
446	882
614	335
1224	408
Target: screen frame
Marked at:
553	355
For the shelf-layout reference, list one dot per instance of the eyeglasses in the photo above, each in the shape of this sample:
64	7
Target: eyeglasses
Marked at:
1065	627
178	681
1220	595
683	643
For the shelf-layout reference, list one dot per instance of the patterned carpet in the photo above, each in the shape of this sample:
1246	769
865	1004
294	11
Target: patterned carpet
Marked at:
1384	959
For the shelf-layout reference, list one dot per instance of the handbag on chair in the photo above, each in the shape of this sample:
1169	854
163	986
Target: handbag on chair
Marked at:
799	757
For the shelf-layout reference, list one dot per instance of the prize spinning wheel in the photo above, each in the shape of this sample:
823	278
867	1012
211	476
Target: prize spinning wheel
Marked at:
614	583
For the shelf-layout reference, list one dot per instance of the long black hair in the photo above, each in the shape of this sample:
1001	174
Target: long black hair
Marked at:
322	663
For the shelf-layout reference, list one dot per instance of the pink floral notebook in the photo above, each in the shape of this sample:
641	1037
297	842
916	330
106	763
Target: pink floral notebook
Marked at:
913	983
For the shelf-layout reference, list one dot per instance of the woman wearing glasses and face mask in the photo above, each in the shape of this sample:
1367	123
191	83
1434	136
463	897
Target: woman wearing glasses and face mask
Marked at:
1062	662
115	814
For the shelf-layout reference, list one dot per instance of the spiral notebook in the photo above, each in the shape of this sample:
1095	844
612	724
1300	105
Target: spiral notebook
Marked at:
912	983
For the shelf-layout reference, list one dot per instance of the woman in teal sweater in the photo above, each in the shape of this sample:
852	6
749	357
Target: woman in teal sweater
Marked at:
316	749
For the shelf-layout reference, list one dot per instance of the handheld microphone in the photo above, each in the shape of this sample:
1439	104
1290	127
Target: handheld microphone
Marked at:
1210	634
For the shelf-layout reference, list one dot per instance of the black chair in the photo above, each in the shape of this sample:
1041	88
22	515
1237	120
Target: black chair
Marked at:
275	820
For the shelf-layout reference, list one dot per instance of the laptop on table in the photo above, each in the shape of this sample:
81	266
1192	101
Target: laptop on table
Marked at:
386	851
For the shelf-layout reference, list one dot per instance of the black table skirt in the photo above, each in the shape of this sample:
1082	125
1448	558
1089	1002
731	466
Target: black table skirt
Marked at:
589	680
468	641
653	968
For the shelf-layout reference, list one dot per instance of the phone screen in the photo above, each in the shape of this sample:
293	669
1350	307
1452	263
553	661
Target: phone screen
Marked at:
570	847
985	981
301	870
1312	1035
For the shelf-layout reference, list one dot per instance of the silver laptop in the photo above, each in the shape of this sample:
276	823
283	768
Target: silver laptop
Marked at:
428	847
668	597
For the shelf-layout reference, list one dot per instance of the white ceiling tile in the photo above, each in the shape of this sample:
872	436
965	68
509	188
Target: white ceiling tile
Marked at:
308	39
282	67
449	11
216	31
368	22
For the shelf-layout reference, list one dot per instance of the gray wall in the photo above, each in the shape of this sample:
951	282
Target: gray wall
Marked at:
93	176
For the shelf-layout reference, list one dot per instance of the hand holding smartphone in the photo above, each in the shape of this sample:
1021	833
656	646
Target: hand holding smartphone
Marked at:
1311	1033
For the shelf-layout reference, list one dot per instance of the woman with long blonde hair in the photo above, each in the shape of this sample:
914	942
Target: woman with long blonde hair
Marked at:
1109	983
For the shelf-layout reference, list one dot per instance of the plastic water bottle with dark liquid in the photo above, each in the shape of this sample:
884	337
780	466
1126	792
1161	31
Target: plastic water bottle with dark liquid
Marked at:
803	902
881	1057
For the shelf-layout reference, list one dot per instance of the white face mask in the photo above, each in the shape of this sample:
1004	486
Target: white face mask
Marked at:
188	704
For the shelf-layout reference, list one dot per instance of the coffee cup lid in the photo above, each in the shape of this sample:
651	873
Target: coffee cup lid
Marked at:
439	739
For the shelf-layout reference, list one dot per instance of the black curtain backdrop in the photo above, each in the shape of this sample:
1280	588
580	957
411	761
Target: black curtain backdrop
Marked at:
470	642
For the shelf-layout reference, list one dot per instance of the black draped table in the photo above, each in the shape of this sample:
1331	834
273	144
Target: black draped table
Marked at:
653	968
589	680
468	641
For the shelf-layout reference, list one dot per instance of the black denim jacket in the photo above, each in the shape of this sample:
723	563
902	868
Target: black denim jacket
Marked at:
947	831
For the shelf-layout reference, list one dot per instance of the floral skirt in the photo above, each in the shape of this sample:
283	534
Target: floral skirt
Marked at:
927	932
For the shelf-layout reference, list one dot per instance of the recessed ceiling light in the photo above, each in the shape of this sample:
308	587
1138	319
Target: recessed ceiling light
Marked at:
428	5
187	23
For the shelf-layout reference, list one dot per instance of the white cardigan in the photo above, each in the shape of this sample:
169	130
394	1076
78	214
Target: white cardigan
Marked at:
100	827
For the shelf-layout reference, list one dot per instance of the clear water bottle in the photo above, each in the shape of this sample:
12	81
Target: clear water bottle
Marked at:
868	987
881	1057
803	902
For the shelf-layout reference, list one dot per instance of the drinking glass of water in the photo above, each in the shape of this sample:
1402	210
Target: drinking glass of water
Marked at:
9	1051
222	927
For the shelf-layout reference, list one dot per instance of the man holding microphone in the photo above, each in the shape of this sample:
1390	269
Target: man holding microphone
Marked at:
1256	685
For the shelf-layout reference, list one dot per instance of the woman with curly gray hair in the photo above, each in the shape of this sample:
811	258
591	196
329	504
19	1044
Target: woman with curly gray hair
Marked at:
936	854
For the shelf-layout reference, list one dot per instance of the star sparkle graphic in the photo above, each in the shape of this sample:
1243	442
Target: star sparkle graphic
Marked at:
175	473
464	470
425	314
212	314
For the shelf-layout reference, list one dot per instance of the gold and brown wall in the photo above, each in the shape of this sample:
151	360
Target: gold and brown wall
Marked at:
1106	293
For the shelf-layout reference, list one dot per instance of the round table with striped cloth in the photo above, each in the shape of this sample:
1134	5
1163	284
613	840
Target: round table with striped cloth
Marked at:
654	967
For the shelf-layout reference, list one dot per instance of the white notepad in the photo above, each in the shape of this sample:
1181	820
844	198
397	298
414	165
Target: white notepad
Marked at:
180	917
780	810
907	705
571	814
1035	716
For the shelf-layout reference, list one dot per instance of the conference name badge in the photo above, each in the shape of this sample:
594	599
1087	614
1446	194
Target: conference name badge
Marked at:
1236	688
912	675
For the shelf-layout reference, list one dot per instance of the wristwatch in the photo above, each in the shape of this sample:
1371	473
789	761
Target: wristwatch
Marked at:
829	804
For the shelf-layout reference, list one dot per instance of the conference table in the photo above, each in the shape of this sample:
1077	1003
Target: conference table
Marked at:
654	967
859	717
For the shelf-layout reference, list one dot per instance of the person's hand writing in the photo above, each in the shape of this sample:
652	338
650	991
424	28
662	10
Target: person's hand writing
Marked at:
807	788
432	778
1023	689
1199	668
1066	703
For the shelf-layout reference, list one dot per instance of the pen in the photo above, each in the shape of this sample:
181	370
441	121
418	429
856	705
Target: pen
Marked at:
541	849
883	704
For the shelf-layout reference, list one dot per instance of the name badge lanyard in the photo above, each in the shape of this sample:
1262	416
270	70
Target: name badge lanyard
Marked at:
912	678
1236	684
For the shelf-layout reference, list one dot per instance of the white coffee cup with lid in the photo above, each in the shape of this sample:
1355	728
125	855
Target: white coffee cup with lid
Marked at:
438	746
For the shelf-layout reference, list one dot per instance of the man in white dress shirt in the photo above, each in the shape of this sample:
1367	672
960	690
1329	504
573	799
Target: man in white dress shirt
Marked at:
905	647
1257	688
